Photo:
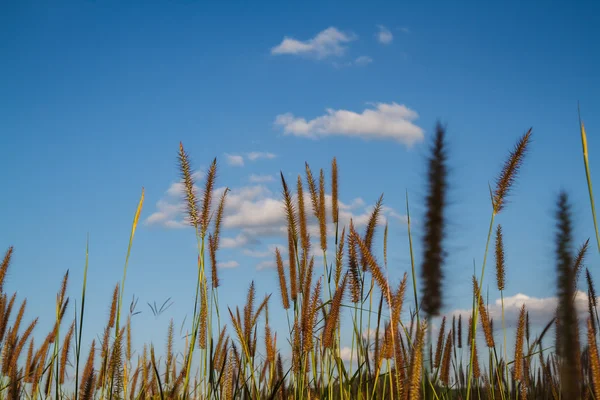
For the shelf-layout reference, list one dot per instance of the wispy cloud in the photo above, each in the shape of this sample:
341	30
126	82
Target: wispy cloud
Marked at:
384	35
261	178
327	43
257	155
384	121
363	60
234	160
228	264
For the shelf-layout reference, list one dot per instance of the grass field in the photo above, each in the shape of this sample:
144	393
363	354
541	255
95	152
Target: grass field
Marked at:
232	352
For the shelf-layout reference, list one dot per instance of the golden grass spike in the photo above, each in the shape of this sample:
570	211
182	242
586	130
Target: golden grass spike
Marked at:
333	318
440	344
64	357
339	258
398	301
434	226
578	261
334	192
282	282
416	364
207	196
304	238
588	177
355	281
191	197
518	361
485	318
113	307
249	312
17	322
594	360
203	326
169	359
371	227
445	369
4	266
219	218
509	172
500	267
86	389
6	316
29	366
128	345
322	212
212	249
374	267
312	189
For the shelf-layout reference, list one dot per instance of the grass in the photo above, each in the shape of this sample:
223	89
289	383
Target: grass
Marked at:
232	352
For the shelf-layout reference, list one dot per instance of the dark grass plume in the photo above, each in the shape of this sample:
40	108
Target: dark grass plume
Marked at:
434	226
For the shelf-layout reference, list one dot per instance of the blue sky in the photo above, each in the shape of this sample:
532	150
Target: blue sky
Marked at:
95	98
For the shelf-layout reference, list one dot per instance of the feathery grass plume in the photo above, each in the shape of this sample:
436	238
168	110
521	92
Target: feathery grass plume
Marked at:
434	226
128	344
373	266
6	316
371	228
169	358
355	282
509	172
473	347
518	363
322	212
459	331
440	344
568	346
116	364
312	189
500	270
445	370
248	312
202	328
296	347
20	344
333	318
578	261
64	358
209	186
17	321
113	307
334	192
485	318
4	266
453	328
339	258
416	364
212	249
594	360
398	301
527	326
591	287
191	197
292	234
219	217
309	325
14	386
29	362
591	312
304	237
86	389
282	283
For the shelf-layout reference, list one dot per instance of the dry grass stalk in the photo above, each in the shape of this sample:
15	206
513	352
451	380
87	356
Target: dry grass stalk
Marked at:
333	319
445	371
191	198
485	319
440	344
334	192
4	266
209	186
416	364
355	280
371	228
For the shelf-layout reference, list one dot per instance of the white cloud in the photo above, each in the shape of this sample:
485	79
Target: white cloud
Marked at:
261	178
384	35
363	60
269	252
346	353
541	309
385	121
228	264
257	155
235	160
329	42
267	264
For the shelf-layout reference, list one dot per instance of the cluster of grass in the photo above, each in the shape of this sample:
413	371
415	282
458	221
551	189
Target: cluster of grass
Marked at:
394	357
